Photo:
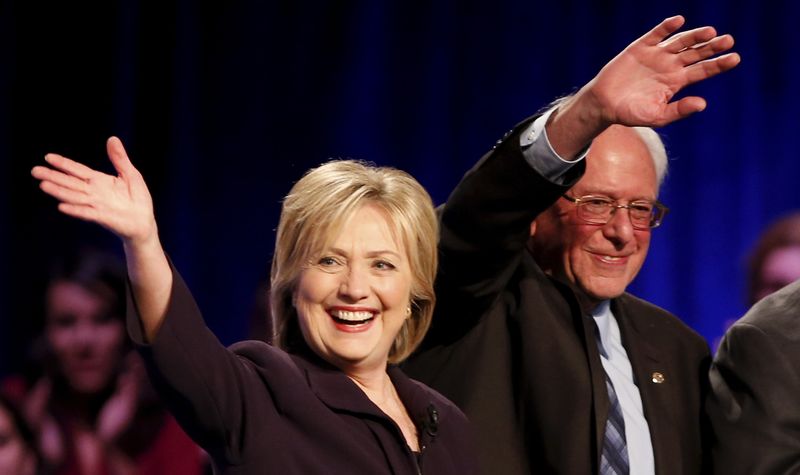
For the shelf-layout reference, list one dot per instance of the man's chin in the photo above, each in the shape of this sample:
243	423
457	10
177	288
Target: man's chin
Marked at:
594	294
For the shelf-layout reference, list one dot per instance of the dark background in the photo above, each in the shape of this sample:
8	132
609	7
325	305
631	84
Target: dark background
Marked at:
222	107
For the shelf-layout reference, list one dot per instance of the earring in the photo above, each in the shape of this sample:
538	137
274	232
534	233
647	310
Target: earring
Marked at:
408	311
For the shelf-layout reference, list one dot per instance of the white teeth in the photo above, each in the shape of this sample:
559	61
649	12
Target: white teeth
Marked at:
351	316
612	258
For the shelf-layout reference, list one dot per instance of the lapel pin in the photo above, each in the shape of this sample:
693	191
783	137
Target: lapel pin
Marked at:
657	377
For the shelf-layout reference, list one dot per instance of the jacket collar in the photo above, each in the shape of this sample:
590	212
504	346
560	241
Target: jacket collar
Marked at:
635	338
337	391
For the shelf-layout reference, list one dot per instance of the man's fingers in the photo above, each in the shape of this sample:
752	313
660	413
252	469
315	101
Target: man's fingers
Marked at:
70	167
119	157
706	50
61	179
711	67
664	29
688	39
689	105
680	109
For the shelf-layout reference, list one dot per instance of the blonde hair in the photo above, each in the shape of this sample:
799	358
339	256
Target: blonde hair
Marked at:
313	214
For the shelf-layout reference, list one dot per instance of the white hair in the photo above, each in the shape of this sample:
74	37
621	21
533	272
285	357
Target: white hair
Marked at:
655	145
651	139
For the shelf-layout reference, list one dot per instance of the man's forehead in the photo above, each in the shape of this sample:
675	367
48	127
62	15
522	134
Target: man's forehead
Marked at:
619	164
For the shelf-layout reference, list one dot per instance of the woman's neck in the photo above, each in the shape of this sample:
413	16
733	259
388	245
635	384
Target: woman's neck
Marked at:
381	391
376	385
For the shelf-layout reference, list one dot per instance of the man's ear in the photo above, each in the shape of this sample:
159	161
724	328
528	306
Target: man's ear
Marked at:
533	228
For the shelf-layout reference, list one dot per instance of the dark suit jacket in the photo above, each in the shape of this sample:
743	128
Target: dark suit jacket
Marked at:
259	410
512	348
755	380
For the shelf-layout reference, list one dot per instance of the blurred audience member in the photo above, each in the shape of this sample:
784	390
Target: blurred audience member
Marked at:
755	377
91	405
18	454
775	261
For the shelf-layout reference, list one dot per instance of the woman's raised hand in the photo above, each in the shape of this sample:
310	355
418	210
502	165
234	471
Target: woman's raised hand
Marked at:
121	203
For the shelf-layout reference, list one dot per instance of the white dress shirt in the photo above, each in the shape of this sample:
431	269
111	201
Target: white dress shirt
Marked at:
618	368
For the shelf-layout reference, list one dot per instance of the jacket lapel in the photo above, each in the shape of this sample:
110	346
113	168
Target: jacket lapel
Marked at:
653	378
334	388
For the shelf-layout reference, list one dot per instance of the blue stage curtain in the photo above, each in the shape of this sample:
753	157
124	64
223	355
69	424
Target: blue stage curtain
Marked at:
223	105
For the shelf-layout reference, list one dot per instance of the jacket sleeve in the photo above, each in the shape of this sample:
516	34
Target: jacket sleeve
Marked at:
484	227
206	386
754	406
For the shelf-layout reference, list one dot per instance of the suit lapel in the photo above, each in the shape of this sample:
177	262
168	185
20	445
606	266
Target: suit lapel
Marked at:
654	379
334	388
584	324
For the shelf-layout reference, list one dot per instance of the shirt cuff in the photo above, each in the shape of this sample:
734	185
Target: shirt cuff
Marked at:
539	153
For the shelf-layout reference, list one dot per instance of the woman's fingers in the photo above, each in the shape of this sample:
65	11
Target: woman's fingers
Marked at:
86	213
70	167
65	195
119	202
62	179
119	157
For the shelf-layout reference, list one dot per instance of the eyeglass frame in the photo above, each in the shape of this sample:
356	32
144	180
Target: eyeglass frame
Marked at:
614	205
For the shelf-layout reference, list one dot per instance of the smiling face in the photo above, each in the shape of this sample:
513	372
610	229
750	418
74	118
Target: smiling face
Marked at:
599	261
354	297
87	341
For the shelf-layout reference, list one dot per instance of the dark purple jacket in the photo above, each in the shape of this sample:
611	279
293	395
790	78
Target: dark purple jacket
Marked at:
259	410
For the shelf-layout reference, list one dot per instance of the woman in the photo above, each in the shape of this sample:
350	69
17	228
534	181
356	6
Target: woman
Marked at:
91	406
352	291
774	262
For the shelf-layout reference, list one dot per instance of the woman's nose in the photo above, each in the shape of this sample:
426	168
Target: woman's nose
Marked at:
354	284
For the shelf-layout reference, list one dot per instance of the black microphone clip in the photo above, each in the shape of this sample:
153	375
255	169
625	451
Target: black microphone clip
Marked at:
431	424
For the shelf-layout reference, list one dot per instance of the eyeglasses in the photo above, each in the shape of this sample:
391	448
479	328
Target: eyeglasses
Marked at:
644	214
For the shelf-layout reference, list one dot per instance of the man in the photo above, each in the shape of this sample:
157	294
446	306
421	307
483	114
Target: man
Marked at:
535	337
755	379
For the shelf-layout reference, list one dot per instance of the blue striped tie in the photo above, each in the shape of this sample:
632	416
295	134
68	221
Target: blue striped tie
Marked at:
614	459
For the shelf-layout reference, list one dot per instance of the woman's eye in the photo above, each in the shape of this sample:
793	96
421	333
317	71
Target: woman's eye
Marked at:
384	265
327	261
63	320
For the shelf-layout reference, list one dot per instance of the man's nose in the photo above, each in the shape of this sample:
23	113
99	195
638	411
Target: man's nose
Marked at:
619	227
